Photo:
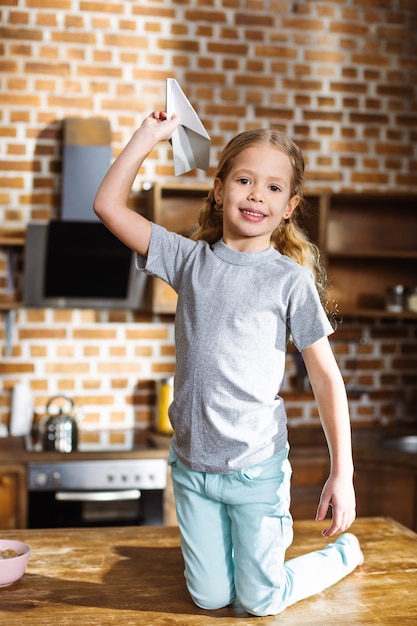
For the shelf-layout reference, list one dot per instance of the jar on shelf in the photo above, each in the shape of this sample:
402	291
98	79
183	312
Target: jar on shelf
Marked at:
411	300
394	301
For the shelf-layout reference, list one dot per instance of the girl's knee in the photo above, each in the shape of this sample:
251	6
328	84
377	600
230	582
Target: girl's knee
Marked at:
263	609
261	604
211	599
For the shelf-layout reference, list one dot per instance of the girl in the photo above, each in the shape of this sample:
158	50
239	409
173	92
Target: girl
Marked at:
239	301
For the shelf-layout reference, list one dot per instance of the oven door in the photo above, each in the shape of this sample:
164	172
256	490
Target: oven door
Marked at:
119	507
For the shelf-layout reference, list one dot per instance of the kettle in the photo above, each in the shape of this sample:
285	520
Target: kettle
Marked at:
59	431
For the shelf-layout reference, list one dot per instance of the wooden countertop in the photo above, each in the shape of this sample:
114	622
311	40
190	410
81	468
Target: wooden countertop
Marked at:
367	446
135	576
13	450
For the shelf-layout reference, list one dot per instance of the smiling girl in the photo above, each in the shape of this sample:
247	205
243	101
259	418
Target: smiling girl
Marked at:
247	283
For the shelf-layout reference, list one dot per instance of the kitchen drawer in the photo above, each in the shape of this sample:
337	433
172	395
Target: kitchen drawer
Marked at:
13	497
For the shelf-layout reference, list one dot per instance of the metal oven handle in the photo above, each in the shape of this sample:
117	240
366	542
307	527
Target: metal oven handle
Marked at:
97	496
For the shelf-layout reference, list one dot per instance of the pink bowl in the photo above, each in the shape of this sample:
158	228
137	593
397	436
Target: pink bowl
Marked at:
14	568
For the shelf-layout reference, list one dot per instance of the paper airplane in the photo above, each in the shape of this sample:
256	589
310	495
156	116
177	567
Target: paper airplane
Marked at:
190	141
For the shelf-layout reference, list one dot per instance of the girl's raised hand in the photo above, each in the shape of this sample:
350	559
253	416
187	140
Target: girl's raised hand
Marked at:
161	127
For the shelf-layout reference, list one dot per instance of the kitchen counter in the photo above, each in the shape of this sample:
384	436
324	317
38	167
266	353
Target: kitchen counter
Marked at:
367	443
385	479
135	576
13	450
370	445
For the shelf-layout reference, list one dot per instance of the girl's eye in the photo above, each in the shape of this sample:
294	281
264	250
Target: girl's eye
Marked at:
244	181
274	188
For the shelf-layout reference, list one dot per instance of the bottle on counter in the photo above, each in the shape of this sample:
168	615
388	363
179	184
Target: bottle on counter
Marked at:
165	394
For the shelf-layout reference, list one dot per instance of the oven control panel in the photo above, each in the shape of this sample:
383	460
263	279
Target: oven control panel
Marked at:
98	475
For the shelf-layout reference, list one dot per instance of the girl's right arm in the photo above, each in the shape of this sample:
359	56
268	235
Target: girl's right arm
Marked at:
110	203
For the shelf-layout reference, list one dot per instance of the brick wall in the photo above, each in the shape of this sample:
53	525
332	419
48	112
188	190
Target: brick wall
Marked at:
109	367
339	76
378	360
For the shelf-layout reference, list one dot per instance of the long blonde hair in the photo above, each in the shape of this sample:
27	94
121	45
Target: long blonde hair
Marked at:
288	238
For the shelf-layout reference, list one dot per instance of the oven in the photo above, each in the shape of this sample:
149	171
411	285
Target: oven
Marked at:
78	493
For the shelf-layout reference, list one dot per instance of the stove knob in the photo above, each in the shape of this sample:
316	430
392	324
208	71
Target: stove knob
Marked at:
41	479
56	478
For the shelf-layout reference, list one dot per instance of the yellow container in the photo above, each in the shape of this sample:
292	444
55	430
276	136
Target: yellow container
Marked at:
165	394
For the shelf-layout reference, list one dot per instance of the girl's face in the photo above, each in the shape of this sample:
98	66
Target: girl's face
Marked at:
255	196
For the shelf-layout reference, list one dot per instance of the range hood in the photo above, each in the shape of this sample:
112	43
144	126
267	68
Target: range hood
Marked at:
76	261
79	265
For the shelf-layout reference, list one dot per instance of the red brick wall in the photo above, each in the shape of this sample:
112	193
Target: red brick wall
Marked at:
109	366
339	76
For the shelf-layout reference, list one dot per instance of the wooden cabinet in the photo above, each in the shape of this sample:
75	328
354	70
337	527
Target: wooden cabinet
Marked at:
383	489
11	255
11	251
369	243
176	207
310	470
13	498
387	491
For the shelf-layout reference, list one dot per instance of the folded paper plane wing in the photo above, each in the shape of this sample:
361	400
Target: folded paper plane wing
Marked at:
190	141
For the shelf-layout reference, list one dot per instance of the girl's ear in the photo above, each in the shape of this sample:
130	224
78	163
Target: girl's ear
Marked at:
218	190
291	206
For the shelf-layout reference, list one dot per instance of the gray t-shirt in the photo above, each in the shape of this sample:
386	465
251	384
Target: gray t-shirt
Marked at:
235	313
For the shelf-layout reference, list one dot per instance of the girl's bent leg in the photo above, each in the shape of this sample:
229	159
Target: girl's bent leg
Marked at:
205	539
312	573
262	531
246	516
304	576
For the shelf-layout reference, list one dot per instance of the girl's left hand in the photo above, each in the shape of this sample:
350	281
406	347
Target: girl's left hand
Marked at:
339	495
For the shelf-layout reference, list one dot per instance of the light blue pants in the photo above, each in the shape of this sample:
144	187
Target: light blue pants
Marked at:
235	529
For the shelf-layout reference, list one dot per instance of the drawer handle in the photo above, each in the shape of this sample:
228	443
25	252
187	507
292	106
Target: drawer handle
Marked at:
98	496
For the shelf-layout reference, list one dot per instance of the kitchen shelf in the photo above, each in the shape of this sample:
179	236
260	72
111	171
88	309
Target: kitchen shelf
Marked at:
10	239
368	243
377	313
176	207
366	254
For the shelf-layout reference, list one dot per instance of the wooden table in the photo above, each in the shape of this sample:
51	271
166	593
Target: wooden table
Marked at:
135	576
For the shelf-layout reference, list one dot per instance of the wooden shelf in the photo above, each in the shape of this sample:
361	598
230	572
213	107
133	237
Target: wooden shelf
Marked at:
376	313
365	245
176	207
368	243
10	239
372	254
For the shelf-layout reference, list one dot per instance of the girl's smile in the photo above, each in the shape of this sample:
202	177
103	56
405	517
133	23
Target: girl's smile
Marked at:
252	215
